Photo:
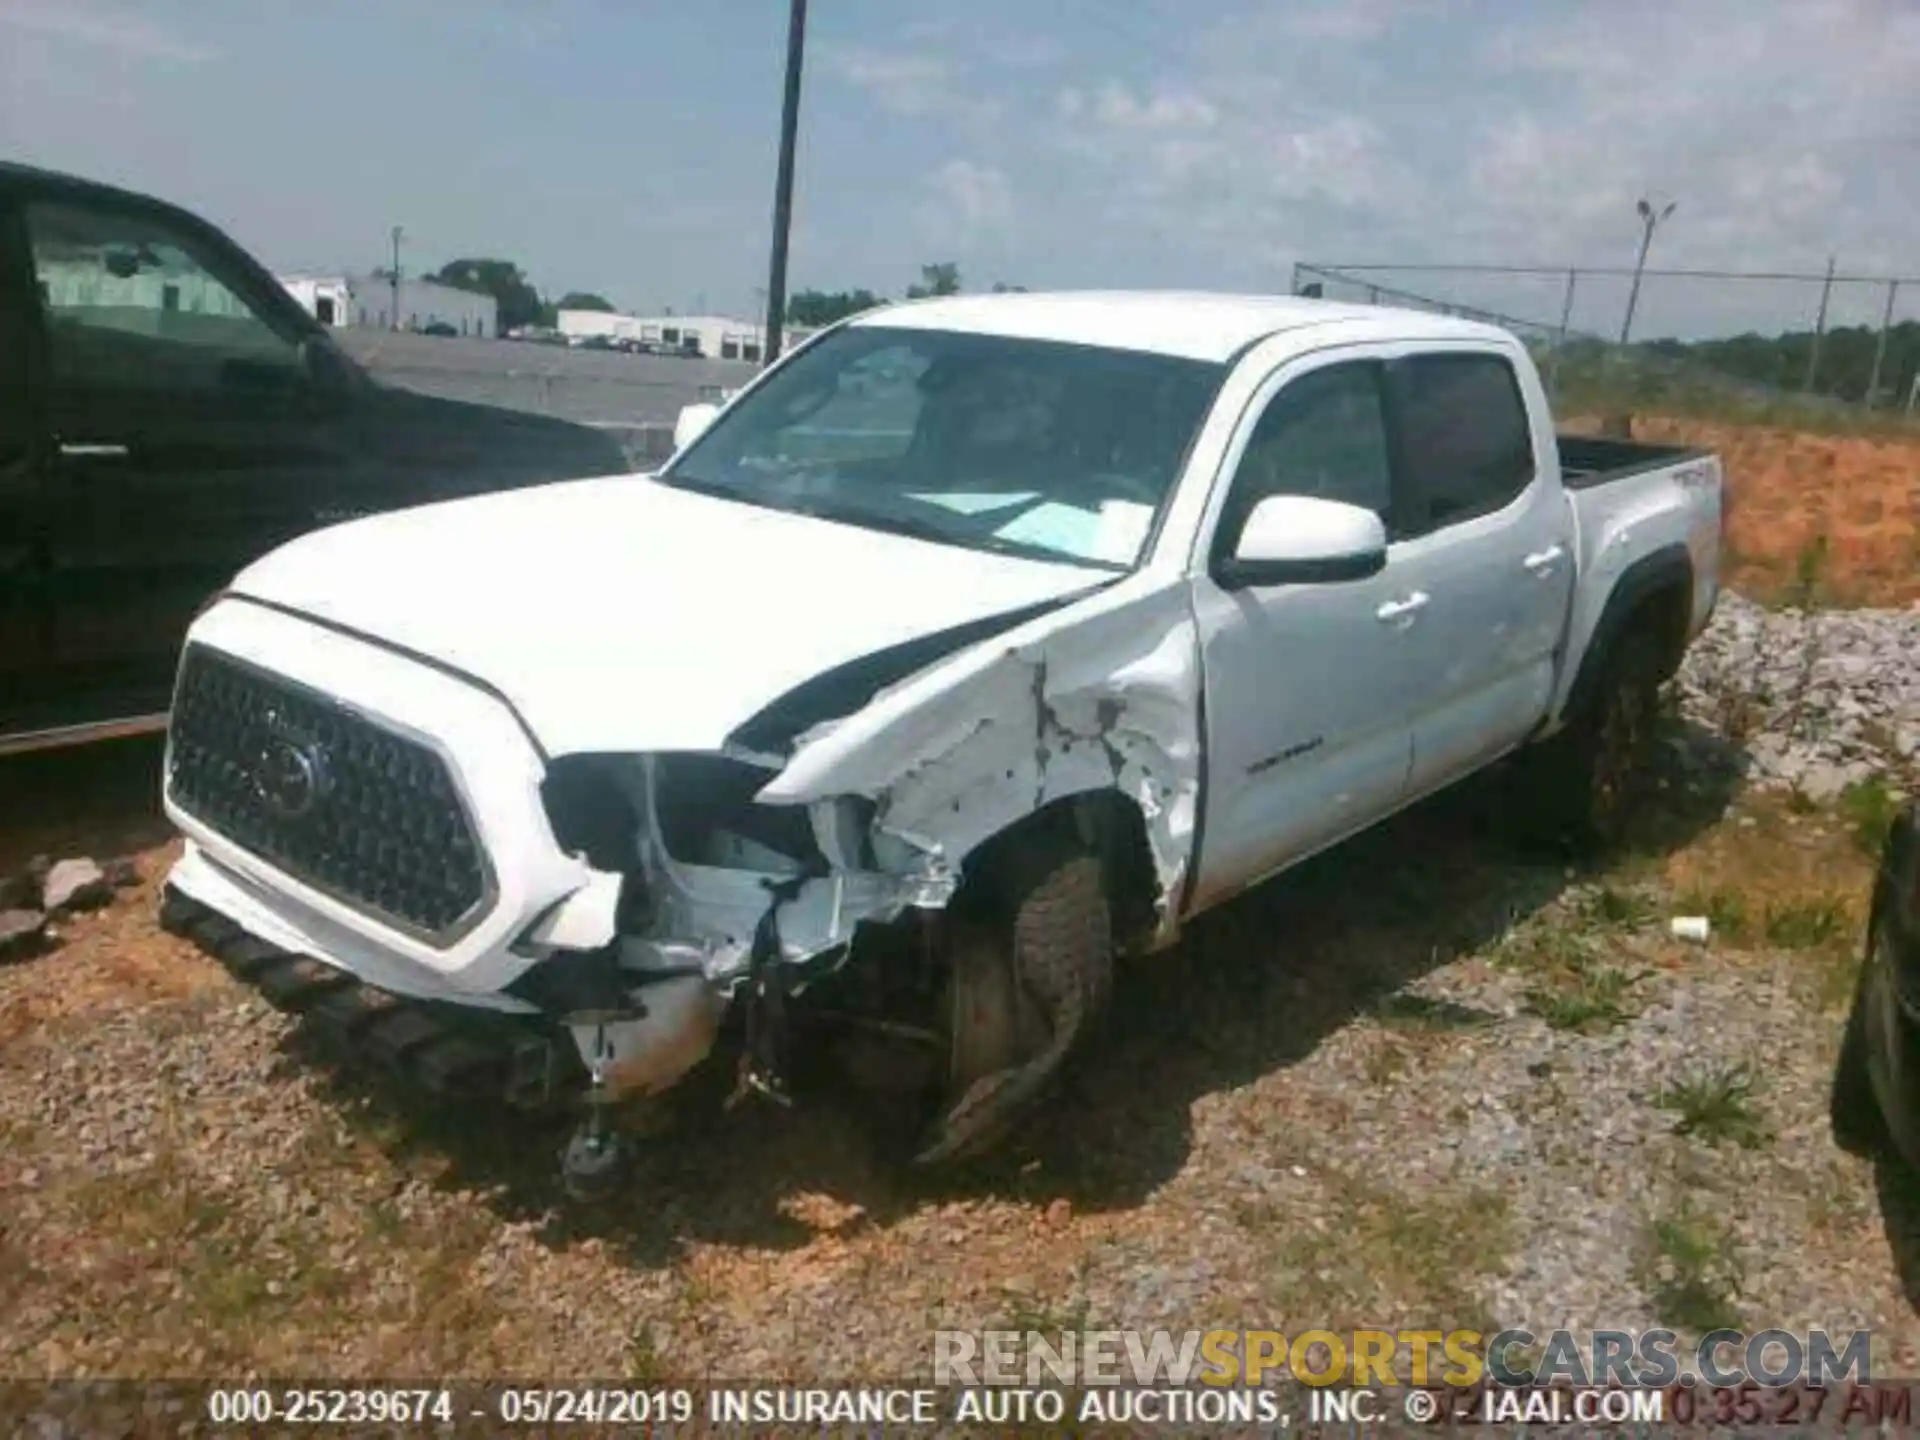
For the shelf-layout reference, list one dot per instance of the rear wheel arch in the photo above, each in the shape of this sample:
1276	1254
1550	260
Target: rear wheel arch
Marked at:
1653	596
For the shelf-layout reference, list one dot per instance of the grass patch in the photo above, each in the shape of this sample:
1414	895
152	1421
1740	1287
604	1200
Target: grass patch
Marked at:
1391	1252
1717	1106
1546	949
1386	1061
1031	1315
1726	910
1423	1013
1869	809
1692	1272
1617	908
1806	924
1586	999
645	1364
1766	877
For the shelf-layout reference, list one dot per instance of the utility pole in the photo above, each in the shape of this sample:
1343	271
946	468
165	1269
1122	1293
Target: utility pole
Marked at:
1819	328
1649	218
783	183
397	232
1880	346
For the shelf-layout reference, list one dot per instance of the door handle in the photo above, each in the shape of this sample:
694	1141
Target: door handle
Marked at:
1541	562
1402	609
80	449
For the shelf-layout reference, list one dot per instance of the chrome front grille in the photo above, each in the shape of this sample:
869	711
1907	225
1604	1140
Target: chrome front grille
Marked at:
325	794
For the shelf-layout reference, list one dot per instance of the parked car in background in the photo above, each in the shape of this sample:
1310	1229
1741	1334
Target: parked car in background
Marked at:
977	640
440	328
1876	1082
167	414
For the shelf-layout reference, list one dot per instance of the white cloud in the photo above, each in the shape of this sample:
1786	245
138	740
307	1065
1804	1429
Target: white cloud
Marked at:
904	82
1438	130
1115	106
969	202
94	25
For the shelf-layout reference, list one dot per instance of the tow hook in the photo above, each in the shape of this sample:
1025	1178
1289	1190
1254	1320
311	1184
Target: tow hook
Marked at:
763	1059
596	1155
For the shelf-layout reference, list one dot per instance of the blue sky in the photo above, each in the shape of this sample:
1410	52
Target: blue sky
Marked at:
627	146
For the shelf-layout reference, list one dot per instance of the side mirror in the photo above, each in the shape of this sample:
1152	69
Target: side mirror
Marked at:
1304	540
693	421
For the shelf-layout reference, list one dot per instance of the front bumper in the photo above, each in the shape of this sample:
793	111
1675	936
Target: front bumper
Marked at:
679	961
526	1062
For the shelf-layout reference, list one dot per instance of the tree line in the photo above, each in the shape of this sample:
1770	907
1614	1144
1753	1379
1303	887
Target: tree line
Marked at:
814	308
518	301
1845	365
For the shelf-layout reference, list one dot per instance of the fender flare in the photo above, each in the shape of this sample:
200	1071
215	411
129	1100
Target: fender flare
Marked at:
1668	569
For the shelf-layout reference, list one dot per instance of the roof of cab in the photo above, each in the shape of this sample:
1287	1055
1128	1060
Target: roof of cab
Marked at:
1199	325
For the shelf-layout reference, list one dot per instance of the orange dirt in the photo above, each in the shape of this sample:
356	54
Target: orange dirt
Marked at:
1787	489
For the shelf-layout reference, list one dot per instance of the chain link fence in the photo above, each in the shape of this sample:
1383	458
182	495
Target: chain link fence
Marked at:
1834	349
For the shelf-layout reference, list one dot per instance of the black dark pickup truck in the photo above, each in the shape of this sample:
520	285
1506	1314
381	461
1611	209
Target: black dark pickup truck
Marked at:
168	413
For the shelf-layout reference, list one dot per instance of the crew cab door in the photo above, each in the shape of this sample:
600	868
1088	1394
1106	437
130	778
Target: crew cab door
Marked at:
1308	707
1482	529
22	454
187	436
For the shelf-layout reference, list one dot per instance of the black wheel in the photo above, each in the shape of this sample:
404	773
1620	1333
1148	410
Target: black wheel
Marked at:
1030	972
1859	1125
1587	781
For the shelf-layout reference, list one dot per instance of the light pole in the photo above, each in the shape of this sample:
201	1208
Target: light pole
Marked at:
783	183
1649	218
397	233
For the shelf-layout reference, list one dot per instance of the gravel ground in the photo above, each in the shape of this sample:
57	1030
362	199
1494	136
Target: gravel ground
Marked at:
1422	1081
1820	699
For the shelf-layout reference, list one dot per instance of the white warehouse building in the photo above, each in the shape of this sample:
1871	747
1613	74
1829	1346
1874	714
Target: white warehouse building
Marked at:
716	337
367	302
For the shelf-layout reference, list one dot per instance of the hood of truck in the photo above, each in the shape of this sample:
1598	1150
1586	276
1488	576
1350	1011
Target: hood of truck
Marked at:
621	614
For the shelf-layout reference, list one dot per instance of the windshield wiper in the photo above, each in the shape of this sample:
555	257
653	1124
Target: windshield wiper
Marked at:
915	528
890	521
704	485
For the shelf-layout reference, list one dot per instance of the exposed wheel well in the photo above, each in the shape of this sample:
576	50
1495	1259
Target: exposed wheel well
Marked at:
1108	824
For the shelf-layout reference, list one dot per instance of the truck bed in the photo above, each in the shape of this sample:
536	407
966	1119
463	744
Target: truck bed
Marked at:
1589	460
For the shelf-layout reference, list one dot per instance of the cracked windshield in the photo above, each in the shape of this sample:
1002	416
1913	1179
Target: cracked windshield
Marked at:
1056	451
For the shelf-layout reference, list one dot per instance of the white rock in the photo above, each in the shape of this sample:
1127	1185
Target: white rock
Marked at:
76	884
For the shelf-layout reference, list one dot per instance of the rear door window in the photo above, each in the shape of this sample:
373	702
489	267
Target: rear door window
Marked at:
1465	444
133	305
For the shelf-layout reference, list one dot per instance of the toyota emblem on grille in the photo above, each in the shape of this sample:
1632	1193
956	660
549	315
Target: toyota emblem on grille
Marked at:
289	776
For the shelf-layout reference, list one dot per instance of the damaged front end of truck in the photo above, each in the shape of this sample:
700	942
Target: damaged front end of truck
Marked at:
919	865
843	870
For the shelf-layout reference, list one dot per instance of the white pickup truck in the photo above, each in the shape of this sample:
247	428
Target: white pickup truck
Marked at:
977	641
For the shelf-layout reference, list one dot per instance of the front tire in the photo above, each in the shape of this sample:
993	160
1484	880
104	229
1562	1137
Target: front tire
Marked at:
1030	975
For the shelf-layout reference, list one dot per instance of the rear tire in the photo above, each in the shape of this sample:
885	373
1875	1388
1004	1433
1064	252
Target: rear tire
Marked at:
1031	976
1588	781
